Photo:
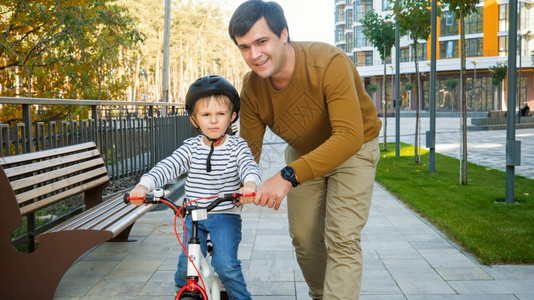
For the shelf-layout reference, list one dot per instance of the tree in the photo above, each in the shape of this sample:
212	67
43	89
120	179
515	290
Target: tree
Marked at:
381	33
452	83
413	17
462	9
61	47
111	49
498	73
199	45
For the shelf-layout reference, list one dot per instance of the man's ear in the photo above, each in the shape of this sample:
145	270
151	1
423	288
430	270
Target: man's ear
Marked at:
284	35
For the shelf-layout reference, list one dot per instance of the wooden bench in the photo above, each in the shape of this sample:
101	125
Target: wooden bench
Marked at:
30	182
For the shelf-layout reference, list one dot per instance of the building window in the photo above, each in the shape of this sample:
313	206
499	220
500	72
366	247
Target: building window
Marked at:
523	17
404	54
340	33
474	47
421	52
503	46
474	22
360	37
348	16
340	14
364	58
448	49
361	8
503	17
350	41
449	25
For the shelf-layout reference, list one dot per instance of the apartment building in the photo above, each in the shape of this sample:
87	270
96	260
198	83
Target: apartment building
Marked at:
486	45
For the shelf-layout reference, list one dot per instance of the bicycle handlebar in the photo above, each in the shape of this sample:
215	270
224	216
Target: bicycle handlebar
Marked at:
151	199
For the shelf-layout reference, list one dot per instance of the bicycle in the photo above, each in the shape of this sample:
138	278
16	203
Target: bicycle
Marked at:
199	268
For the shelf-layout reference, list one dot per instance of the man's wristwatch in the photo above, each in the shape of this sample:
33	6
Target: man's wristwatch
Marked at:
289	174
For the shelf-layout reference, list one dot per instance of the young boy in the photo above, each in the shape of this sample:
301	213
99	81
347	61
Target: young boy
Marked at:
216	163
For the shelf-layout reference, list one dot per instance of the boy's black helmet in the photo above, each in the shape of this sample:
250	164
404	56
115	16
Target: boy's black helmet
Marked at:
211	85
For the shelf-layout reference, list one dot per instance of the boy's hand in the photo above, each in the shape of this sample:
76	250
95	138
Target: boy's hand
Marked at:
248	187
138	191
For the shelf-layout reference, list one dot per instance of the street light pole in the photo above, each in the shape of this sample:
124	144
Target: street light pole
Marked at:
475	82
513	147
166	43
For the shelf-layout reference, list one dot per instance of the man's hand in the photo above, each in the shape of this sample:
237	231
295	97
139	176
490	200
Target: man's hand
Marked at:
138	191
272	192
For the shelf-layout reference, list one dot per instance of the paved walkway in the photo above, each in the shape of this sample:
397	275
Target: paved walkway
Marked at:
404	256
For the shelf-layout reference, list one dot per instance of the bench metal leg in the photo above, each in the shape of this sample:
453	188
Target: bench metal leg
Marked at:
124	235
36	275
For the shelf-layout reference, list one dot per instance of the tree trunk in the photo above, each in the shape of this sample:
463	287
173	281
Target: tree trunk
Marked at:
28	81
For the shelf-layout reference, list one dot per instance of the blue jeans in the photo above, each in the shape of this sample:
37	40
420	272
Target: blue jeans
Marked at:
225	232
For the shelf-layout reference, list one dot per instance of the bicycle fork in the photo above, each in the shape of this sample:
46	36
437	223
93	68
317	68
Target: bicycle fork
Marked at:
197	262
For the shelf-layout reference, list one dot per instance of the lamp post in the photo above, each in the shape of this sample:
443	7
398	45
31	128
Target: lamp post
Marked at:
475	82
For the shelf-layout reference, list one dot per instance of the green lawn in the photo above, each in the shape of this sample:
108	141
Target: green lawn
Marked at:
473	215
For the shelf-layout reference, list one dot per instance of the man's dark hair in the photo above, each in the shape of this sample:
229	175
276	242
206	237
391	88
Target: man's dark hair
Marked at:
249	12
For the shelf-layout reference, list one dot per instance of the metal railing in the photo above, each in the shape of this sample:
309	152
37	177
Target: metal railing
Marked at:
131	136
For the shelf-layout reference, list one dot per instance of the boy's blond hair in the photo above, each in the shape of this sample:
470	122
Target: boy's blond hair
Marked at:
219	98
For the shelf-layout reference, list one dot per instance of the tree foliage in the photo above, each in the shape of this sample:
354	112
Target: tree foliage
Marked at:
199	45
63	49
498	72
380	31
111	49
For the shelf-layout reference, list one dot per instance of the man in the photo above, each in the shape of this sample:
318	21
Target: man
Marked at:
525	110
310	95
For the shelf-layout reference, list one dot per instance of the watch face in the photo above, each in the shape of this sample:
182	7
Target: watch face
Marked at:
289	174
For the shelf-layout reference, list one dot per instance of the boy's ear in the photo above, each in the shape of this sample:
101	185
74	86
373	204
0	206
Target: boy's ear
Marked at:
234	115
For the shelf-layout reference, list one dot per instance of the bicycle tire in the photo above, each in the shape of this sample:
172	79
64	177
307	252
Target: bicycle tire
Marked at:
191	296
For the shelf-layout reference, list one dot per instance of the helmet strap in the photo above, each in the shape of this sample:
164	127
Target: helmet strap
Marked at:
213	143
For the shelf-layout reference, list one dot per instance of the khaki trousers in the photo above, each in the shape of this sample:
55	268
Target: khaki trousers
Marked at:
326	216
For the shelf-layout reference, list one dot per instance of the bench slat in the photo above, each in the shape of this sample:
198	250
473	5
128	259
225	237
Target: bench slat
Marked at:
71	192
126	221
88	215
51	163
46	153
43	177
112	215
61	184
99	223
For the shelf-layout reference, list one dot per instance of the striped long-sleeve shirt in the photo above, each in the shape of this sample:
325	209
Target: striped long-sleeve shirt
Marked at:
232	163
